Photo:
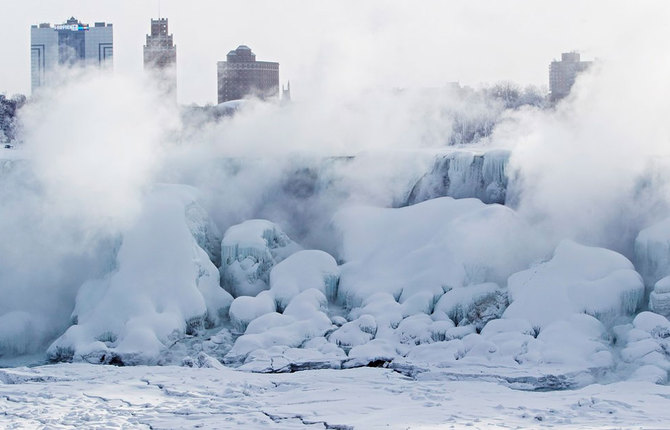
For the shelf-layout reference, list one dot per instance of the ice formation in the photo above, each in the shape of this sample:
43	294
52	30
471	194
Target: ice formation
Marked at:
464	174
652	252
161	286
659	299
449	286
578	279
248	252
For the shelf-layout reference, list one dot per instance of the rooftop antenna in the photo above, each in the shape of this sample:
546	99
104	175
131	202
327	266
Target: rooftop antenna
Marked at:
159	9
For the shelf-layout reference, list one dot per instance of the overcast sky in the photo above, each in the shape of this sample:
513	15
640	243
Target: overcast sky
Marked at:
348	45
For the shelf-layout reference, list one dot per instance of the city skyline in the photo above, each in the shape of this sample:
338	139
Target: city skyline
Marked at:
360	46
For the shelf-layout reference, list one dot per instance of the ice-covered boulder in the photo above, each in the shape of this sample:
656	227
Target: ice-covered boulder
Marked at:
659	299
248	252
429	248
245	309
652	252
374	353
415	330
316	353
578	279
357	332
161	285
302	320
474	304
383	307
301	271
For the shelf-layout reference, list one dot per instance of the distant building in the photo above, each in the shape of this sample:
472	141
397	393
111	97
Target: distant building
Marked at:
160	56
286	93
562	74
241	75
67	45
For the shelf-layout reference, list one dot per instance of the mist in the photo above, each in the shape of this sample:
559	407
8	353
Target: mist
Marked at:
593	168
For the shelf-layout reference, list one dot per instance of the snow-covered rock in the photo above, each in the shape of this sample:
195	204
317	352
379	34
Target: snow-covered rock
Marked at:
245	309
578	279
301	271
248	252
354	333
474	304
376	352
303	319
387	312
162	285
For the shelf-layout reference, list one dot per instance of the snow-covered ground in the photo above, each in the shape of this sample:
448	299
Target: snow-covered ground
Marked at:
79	396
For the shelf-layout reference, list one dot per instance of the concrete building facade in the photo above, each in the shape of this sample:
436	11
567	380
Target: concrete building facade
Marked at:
562	74
67	45
241	76
160	56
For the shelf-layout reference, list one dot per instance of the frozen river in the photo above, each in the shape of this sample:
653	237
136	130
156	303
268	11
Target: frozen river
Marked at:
89	396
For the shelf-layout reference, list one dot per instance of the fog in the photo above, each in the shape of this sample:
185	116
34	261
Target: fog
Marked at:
591	169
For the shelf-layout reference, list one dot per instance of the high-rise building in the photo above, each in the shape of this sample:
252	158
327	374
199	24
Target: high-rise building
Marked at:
67	45
241	75
286	93
160	56
562	74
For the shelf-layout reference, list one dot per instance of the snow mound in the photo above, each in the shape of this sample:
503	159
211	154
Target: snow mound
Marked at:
652	252
578	279
248	252
354	333
162	285
245	309
429	248
647	346
387	312
301	271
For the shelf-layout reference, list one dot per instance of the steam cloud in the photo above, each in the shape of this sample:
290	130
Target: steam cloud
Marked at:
591	169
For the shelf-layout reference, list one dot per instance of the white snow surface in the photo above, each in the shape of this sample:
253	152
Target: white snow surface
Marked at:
161	285
75	396
429	247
